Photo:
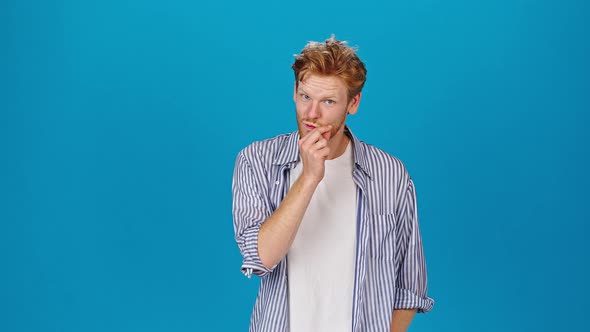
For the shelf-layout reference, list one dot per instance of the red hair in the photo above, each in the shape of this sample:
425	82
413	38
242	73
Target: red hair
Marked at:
331	58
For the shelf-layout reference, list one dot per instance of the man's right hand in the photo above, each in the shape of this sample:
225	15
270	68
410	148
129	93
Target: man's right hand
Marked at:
314	151
278	231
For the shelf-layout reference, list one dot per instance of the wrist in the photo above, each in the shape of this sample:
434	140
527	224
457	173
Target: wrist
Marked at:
309	180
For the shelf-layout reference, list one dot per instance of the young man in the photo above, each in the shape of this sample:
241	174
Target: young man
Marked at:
328	222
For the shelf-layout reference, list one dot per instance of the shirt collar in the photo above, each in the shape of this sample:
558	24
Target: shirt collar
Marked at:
289	151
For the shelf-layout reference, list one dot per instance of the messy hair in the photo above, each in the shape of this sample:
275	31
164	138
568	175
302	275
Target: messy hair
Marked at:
331	58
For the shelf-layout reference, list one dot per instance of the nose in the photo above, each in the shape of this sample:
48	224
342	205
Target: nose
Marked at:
313	112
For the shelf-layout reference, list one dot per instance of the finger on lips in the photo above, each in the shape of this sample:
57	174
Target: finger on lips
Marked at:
321	131
319	136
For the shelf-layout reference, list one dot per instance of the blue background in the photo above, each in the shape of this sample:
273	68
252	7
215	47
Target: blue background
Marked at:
120	122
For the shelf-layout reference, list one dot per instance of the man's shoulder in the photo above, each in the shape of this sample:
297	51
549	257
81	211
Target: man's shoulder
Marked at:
277	140
267	149
378	160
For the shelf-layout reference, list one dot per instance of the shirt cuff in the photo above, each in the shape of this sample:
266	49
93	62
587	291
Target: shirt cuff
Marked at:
406	299
252	263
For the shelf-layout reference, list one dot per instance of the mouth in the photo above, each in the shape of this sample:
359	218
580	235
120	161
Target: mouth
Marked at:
310	125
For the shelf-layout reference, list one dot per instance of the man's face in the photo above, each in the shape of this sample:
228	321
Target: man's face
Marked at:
321	101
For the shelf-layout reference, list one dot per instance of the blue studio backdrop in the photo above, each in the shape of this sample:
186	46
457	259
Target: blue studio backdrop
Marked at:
120	122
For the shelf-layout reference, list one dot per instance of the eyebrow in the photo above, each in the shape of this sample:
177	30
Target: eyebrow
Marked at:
328	96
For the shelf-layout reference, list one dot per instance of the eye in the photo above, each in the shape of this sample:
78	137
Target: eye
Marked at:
330	102
305	97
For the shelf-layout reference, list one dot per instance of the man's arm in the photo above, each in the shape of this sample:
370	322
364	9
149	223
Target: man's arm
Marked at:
411	279
278	231
264	237
401	319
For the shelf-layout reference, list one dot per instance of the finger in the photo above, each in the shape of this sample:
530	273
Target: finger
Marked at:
325	131
312	137
307	141
318	133
323	153
321	143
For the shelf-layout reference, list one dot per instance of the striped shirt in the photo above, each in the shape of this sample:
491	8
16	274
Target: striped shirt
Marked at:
390	271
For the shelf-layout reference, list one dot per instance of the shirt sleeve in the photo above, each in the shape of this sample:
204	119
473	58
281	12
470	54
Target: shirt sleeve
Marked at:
411	281
250	210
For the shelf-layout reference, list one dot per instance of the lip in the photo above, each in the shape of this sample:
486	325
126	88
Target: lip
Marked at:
310	125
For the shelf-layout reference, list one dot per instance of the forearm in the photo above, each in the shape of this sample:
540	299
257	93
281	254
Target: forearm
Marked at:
401	319
278	231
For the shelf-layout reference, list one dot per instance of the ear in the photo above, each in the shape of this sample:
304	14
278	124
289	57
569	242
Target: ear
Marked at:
353	104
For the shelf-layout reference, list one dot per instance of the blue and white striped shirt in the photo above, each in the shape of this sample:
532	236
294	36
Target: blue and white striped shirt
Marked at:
390	269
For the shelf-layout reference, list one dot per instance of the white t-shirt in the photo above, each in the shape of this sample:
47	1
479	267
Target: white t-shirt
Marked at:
321	259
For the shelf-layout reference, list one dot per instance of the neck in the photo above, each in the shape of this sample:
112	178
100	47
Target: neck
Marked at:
338	146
